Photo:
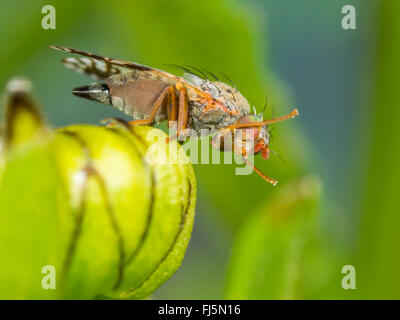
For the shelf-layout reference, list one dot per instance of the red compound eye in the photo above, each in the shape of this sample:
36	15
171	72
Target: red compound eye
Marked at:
251	118
265	152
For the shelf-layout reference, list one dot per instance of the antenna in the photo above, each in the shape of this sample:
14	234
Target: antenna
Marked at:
292	114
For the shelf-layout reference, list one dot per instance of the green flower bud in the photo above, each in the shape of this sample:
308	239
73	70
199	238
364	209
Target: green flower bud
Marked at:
111	218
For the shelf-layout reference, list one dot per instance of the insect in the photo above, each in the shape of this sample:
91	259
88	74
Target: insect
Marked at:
151	95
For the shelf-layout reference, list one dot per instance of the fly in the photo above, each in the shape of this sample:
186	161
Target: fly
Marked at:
151	95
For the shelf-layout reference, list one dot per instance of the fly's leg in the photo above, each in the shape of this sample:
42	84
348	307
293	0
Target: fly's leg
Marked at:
179	112
175	113
261	174
183	112
222	145
165	93
172	109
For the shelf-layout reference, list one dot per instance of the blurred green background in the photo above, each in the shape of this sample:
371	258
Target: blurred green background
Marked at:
336	203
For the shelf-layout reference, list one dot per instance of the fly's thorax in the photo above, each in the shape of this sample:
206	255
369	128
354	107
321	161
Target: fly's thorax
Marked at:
228	96
214	118
204	112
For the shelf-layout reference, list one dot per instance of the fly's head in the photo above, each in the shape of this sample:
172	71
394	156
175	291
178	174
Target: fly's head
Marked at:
249	135
247	140
252	140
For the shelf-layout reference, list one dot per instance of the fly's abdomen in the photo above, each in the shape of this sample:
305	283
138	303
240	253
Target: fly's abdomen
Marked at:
132	93
136	96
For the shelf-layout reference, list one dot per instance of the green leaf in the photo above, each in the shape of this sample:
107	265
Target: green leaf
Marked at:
378	260
268	252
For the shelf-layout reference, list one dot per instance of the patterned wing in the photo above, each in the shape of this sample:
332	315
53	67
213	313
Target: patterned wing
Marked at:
95	66
95	69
